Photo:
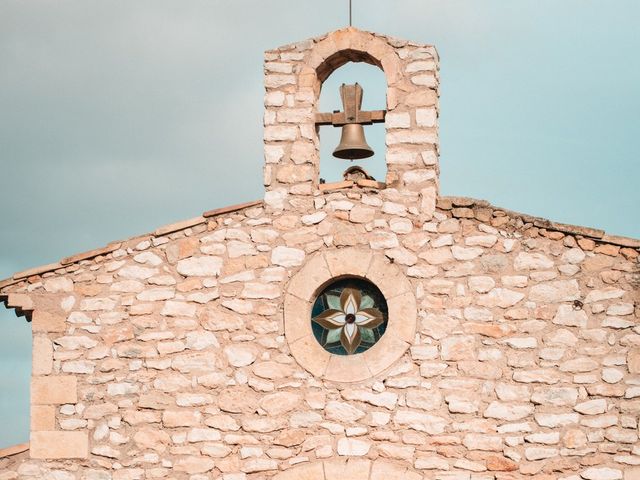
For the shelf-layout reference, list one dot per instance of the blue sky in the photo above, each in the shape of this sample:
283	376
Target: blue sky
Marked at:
117	117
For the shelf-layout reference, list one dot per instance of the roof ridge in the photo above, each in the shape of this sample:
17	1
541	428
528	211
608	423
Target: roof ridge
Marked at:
453	202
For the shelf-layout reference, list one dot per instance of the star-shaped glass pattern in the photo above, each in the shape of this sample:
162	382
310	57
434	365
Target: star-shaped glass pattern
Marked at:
349	316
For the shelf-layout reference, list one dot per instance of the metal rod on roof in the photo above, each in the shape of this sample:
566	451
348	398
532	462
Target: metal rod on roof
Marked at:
350	16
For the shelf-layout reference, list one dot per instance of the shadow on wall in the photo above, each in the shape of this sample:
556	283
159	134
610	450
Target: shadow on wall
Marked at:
15	375
374	85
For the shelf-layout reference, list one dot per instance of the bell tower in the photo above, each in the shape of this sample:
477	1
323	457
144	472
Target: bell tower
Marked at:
294	75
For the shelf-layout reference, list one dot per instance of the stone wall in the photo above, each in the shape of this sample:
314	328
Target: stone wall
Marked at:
168	355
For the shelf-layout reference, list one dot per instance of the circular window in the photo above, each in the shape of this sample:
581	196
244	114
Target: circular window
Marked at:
349	316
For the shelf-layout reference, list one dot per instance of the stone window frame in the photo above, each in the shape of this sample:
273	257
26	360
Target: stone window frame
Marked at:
326	267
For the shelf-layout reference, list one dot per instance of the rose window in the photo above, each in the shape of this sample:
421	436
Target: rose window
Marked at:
349	316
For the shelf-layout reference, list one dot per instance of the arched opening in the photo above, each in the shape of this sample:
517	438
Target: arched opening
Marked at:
15	376
374	85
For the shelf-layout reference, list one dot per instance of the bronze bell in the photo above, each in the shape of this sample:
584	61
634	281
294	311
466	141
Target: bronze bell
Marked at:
353	145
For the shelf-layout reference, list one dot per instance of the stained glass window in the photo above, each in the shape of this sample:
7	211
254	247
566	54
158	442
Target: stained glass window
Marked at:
349	316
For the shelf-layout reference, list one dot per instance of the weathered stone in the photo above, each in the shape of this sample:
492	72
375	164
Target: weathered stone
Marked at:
554	292
180	418
550	438
521	342
592	407
53	389
508	411
496	463
178	309
279	403
287	257
153	439
581	364
58	285
200	266
421	422
547	376
608	293
58	445
553	420
476	441
431	463
424	400
353	447
193	464
557	396
481	284
361	214
539	453
240	355
237	400
460	347
500	297
570	317
601	473
343	412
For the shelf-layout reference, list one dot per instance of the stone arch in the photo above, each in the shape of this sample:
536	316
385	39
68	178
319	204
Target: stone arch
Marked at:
343	57
339	69
351	45
345	46
293	79
351	468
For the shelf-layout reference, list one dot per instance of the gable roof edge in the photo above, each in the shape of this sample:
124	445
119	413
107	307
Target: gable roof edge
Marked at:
113	246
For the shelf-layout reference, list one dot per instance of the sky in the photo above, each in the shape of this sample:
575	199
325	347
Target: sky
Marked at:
118	117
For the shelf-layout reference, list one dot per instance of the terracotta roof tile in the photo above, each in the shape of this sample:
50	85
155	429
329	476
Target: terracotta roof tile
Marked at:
14	450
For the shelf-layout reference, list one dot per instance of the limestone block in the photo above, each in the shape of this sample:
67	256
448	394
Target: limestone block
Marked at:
428	80
532	261
287	256
601	473
42	356
295	173
240	355
136	272
554	292
426	117
280	133
42	321
153	439
58	285
458	347
398	120
59	445
353	447
568	316
193	464
42	418
53	390
508	411
200	266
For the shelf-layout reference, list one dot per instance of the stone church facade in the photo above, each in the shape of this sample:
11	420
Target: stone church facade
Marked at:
510	346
